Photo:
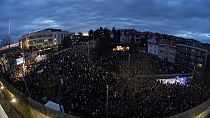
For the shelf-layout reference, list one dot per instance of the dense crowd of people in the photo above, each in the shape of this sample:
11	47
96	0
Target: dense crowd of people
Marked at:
147	64
78	80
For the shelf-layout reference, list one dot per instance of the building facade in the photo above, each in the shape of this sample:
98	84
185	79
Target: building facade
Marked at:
9	46
209	50
153	46
132	36
167	52
191	56
43	39
163	48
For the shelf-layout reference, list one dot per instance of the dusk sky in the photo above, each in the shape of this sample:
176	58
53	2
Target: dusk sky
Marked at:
186	18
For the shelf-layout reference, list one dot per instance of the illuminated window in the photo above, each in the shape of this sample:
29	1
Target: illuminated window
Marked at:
199	65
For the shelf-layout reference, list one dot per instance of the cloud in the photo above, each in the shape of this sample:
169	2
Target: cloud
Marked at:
43	21
206	35
180	17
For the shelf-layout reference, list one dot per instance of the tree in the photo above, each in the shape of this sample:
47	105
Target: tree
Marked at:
84	39
118	36
66	42
5	41
103	40
90	32
80	34
113	36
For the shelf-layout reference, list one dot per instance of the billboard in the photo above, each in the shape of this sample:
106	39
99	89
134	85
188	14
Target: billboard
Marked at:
19	61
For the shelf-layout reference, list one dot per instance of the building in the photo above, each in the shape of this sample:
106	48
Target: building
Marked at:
167	52
132	36
43	39
167	49
207	46
209	50
163	48
192	56
9	46
127	35
153	46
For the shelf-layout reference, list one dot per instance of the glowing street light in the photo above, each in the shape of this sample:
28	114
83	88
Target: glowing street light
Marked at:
13	100
2	87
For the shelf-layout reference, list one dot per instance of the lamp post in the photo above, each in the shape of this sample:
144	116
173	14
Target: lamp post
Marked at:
107	100
88	49
194	69
24	75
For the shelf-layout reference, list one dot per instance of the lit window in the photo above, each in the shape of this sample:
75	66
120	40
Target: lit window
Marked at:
199	65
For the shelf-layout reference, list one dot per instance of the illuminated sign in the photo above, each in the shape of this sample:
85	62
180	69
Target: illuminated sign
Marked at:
120	48
20	61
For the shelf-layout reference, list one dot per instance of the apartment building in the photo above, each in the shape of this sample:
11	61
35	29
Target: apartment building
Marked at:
43	39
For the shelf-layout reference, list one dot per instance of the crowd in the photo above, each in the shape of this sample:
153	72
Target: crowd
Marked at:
78	79
147	64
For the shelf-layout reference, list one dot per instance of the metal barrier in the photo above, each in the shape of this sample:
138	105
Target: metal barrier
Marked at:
27	107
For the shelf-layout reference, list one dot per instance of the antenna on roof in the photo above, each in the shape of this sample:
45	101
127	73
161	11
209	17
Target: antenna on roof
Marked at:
9	31
9	25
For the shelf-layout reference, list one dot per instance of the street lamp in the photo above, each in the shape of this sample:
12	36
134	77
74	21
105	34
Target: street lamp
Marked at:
13	100
107	100
24	75
2	87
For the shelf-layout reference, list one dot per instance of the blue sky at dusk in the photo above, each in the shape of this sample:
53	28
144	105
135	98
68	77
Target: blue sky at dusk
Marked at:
186	18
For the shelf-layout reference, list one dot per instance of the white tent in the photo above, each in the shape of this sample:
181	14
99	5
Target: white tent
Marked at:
2	113
54	106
